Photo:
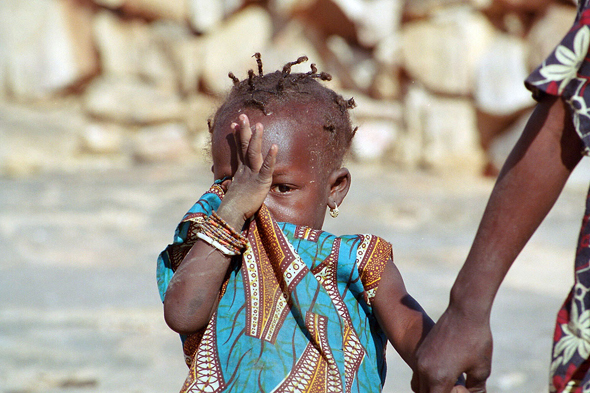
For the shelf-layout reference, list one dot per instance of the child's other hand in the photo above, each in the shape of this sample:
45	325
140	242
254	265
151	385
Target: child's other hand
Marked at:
253	178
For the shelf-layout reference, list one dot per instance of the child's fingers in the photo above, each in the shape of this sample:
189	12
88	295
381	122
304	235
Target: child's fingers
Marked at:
225	184
254	156
244	134
236	134
268	166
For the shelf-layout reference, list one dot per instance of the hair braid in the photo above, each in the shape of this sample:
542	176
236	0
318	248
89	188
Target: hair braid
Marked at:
259	62
287	67
282	88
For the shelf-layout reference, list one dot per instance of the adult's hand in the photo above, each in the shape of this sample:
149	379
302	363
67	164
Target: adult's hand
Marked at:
457	344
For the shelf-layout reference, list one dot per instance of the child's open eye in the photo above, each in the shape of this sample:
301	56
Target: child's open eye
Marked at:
281	188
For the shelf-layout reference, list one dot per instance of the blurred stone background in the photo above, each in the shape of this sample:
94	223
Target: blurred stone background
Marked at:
88	84
103	135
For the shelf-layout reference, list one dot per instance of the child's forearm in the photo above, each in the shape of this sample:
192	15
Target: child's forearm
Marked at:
400	316
193	291
417	326
194	288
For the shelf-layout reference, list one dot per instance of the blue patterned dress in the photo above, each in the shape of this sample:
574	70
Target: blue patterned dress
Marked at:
294	314
566	73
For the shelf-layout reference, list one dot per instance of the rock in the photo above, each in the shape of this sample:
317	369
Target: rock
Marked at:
381	19
387	53
101	138
231	46
204	15
418	9
502	145
286	8
201	144
112	4
155	63
442	52
156	9
378	123
79	27
490	126
374	20
407	150
187	56
183	52
132	48
45	47
373	139
327	18
231	6
288	44
481	4
522	5
389	50
200	108
165	142
131	101
434	141
117	43
368	108
386	84
499	88
355	62
547	32
38	139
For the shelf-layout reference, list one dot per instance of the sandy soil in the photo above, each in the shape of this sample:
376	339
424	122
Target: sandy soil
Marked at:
80	310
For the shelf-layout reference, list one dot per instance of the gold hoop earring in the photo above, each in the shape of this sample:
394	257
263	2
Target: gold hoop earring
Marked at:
334	211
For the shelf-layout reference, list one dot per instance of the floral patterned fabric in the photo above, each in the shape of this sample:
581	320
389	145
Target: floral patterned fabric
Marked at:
294	311
566	73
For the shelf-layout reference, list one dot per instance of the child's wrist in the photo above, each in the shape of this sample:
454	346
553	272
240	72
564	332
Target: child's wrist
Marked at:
219	234
229	214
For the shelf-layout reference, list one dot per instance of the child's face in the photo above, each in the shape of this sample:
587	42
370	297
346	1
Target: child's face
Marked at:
300	190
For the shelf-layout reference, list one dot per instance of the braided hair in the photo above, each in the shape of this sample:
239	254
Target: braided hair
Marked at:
271	92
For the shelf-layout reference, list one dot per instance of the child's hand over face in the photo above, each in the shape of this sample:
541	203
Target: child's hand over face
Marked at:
253	178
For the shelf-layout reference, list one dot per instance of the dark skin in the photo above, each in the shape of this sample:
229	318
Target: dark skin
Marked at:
528	186
280	163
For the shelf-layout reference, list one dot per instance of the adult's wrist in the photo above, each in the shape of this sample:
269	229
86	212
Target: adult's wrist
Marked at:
470	304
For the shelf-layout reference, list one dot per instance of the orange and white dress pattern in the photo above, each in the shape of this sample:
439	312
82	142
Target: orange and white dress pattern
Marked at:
294	314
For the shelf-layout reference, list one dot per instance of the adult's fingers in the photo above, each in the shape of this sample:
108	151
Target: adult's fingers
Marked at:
436	384
439	388
476	380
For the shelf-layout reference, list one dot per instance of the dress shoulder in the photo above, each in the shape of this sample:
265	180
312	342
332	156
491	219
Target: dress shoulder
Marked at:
566	73
372	253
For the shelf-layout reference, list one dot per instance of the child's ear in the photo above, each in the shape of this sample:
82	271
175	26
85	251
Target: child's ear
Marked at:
339	182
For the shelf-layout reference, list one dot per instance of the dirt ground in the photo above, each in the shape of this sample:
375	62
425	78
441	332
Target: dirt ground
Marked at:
80	310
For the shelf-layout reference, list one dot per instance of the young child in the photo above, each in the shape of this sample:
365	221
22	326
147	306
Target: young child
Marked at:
265	300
